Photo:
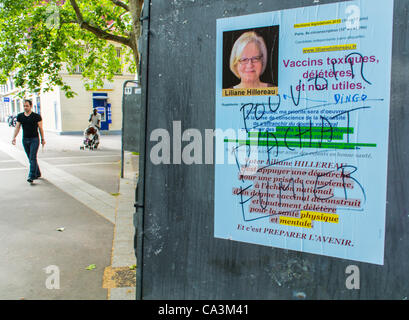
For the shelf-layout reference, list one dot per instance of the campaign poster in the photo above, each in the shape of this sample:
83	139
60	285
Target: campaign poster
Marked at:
302	123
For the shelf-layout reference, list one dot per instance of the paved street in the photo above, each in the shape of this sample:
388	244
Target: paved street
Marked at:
77	192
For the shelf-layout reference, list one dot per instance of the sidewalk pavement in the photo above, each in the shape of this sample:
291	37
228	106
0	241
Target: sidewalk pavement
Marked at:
120	278
117	208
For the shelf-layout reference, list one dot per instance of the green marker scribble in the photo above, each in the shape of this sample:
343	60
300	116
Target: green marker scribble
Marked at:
304	144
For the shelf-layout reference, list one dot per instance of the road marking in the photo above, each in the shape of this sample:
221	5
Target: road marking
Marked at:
98	200
11	169
84	164
7	161
80	157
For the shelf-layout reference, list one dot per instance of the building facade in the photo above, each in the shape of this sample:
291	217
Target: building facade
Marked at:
10	104
64	115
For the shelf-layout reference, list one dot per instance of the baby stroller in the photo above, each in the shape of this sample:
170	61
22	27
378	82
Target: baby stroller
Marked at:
91	138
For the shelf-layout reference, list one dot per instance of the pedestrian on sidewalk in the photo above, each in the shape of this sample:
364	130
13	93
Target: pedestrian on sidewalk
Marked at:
31	123
95	121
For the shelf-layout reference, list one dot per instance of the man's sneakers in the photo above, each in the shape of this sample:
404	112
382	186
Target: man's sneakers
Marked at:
31	180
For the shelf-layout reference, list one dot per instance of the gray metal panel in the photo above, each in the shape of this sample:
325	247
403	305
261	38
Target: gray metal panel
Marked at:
181	259
131	117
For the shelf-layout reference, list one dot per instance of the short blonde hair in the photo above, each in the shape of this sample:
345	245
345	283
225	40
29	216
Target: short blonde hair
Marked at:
239	46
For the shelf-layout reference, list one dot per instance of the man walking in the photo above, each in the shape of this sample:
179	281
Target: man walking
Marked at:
31	123
95	120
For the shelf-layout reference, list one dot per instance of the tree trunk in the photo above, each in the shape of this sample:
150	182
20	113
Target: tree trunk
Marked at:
135	7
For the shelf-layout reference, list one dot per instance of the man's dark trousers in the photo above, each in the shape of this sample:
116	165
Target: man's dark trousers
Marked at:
31	147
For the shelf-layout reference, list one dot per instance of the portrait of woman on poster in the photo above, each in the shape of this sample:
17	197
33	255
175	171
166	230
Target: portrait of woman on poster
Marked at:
248	60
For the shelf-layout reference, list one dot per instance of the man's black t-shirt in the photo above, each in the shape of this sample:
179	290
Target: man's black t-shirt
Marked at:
29	124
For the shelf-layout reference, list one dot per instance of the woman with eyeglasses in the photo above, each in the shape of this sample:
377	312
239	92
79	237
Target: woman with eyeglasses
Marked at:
248	60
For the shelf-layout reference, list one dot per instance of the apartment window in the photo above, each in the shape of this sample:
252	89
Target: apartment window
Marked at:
78	69
119	56
38	105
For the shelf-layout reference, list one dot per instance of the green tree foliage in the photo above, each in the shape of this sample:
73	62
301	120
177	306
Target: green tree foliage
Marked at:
39	37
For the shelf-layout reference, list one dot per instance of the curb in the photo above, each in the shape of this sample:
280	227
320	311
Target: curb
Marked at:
119	279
